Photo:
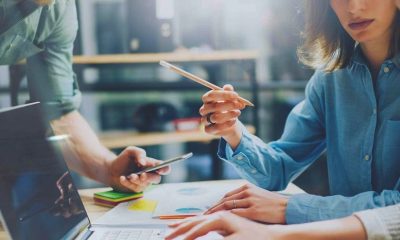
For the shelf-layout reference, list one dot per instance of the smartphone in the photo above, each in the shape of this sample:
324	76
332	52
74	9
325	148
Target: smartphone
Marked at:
166	163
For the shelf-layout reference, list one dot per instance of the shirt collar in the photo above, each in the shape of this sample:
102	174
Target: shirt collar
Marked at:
396	60
358	57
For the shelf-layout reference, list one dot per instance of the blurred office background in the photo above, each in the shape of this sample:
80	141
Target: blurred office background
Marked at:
144	98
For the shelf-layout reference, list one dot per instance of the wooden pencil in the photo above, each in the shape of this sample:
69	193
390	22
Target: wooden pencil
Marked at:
198	80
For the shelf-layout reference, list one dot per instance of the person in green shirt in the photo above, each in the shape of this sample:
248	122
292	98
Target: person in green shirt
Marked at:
43	33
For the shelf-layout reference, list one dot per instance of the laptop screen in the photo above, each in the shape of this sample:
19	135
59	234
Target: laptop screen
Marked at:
38	199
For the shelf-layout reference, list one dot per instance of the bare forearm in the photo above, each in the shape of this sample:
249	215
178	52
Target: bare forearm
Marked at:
347	228
92	157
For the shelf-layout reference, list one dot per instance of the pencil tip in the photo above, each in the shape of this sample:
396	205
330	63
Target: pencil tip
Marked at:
165	64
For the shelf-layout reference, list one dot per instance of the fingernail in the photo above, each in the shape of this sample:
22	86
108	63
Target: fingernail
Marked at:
128	177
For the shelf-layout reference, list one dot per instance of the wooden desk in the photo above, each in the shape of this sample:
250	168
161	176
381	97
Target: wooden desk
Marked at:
95	211
121	139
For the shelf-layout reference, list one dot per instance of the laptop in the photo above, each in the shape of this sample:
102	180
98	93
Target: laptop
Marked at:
38	198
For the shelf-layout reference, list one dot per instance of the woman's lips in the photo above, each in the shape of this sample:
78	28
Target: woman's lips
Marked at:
362	24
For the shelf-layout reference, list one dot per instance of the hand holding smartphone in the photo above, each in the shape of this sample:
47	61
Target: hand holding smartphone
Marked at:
165	163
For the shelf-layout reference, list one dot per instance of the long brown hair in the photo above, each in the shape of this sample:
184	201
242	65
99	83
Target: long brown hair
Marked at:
326	44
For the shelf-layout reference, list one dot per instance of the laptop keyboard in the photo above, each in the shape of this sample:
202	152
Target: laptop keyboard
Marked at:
134	234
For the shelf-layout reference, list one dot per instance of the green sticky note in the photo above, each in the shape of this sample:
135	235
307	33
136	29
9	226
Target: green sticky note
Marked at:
113	195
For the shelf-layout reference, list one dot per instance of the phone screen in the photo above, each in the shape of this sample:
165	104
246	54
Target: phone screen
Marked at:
166	163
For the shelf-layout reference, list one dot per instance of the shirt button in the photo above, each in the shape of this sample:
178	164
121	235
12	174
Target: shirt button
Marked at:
254	171
374	111
386	69
239	157
366	158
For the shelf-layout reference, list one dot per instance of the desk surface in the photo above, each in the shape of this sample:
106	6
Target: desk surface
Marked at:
95	211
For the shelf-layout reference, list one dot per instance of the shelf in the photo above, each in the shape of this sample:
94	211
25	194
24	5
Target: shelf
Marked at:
140	86
184	85
176	86
121	139
177	57
151	86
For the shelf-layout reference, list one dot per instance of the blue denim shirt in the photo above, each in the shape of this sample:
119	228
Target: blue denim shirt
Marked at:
49	58
357	124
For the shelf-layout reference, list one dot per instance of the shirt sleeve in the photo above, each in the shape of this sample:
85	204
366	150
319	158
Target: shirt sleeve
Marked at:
51	79
381	223
304	208
272	166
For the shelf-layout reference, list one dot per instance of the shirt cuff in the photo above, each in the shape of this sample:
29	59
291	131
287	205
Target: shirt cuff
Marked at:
55	109
225	152
297	210
380	223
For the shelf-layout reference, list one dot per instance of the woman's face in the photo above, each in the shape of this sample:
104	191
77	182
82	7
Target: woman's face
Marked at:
366	20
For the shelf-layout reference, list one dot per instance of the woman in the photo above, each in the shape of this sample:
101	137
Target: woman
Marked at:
351	111
380	223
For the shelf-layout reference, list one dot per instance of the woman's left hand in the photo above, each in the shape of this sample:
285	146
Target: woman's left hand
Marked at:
225	223
254	203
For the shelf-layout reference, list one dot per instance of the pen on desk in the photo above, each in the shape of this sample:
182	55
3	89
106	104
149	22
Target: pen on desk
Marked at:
198	80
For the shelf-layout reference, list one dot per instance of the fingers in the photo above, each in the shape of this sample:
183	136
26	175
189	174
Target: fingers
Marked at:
139	183
229	205
219	95
130	182
205	227
228	87
221	117
136	154
183	227
238	190
226	106
162	171
236	196
242	212
220	129
201	226
220	111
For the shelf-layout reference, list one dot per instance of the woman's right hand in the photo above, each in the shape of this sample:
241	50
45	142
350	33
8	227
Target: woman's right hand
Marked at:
220	112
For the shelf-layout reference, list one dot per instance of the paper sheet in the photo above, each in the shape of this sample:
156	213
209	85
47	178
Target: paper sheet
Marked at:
174	199
191	199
